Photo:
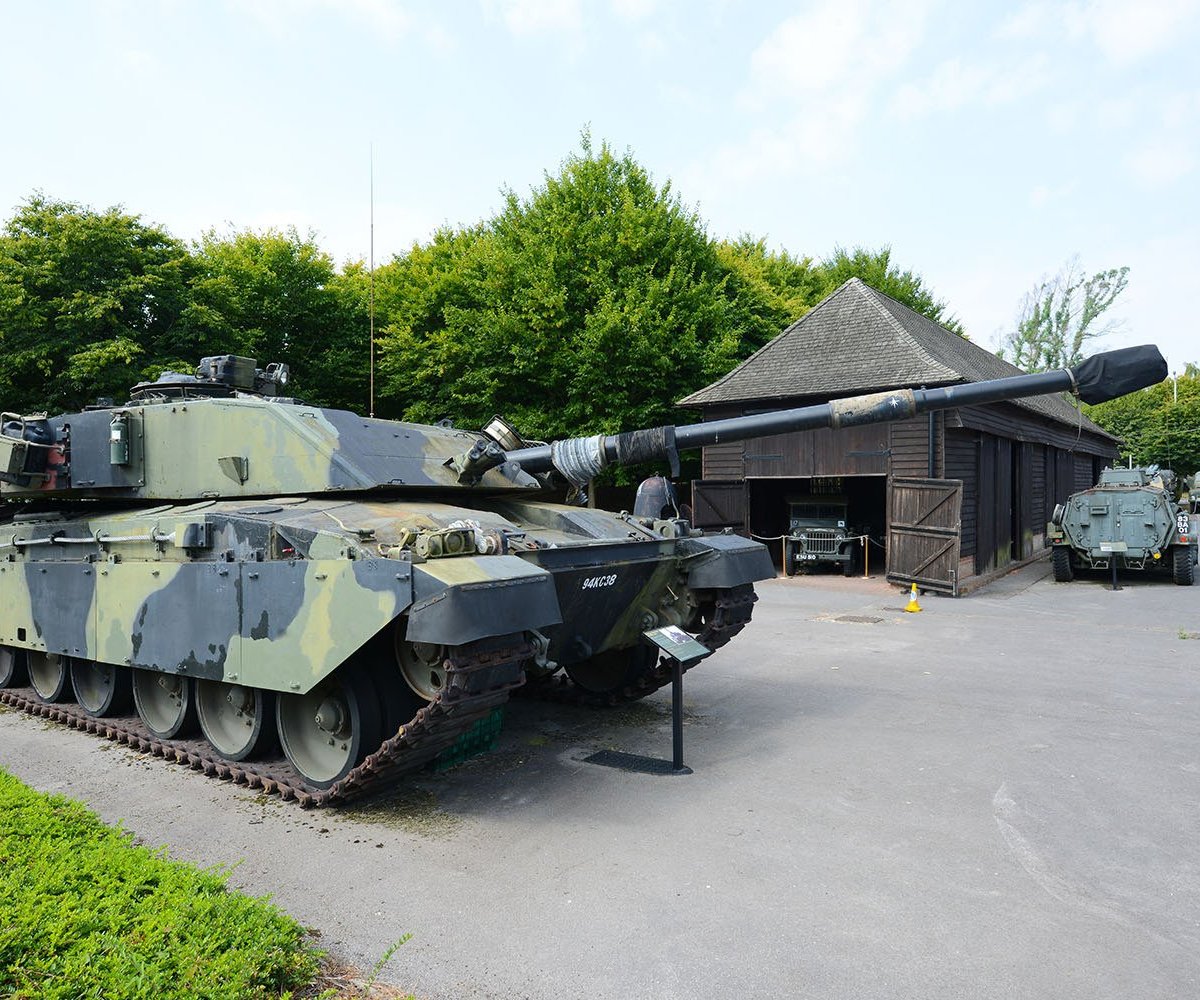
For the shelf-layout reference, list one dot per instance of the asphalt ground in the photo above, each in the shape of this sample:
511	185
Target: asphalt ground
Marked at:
997	797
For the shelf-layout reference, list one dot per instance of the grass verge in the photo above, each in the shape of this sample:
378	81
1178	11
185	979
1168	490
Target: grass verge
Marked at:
85	913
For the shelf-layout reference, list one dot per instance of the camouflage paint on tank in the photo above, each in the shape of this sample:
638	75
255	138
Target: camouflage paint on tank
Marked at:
276	549
247	447
286	589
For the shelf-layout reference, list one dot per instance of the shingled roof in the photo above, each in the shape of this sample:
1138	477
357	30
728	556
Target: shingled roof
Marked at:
859	340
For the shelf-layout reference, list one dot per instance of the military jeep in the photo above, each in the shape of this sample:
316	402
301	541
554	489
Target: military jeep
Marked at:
818	535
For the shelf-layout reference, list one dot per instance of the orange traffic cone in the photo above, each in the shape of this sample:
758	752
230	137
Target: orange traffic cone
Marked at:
912	604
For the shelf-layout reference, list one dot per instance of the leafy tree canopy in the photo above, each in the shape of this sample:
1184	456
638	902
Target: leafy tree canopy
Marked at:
84	295
588	306
876	269
592	304
1160	425
276	296
1061	314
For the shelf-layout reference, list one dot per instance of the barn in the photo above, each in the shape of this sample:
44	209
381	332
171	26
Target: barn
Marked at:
948	499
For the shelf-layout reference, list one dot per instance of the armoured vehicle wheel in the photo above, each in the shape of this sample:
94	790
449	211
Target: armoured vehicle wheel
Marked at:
166	703
329	731
1061	557
50	675
236	720
1185	569
100	688
789	560
422	665
12	667
613	670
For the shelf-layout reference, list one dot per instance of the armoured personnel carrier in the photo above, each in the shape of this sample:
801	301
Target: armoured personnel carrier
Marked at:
1131	519
315	603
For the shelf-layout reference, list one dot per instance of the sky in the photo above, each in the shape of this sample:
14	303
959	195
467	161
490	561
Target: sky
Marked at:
989	144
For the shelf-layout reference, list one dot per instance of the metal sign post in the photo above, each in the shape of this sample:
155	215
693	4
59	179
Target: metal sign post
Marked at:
1112	548
683	651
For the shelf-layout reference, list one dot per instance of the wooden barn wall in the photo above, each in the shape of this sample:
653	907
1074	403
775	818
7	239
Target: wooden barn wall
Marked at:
723	461
1037	492
848	451
909	442
1025	528
1085	473
1011	421
961	460
1002	512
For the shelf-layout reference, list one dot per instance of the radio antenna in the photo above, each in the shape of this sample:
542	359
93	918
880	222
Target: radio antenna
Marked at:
371	348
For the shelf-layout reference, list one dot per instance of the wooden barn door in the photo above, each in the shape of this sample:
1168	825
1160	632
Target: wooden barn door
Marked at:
719	504
924	532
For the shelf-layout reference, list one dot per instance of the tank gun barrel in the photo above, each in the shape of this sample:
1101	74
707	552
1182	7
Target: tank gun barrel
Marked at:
1094	380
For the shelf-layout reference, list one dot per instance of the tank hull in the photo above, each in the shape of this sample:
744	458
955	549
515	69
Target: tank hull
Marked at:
290	597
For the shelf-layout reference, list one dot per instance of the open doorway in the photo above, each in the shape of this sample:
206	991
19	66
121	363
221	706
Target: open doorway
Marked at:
774	505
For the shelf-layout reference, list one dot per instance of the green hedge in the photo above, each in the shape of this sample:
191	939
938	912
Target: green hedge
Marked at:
86	913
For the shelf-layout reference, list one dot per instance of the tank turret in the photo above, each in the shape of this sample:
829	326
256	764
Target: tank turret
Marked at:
330	601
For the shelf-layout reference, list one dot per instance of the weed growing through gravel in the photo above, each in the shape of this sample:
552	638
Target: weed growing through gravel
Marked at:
86	913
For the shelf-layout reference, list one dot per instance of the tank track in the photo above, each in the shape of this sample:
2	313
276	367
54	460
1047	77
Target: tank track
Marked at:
481	677
734	607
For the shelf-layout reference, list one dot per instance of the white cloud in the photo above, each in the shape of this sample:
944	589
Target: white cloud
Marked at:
1043	195
1117	113
836	44
1171	149
387	19
1149	310
1028	22
817	75
1127	32
1160	164
634	10
957	84
525	18
1123	31
139	64
952	85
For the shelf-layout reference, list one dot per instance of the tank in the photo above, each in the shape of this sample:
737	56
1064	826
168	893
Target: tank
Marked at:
317	603
1132	517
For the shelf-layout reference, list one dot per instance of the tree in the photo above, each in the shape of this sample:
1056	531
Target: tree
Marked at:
1061	314
876	269
589	306
1157	428
84	296
276	296
769	290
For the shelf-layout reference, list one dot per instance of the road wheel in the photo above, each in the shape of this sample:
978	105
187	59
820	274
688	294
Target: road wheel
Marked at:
1185	569
1061	557
50	675
12	667
166	703
236	720
328	731
100	688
